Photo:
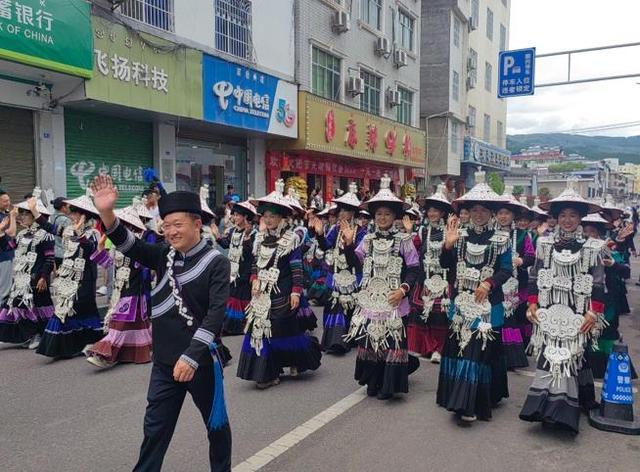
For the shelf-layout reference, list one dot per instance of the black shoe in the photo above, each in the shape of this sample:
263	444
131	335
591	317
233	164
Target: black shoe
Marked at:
384	396
372	390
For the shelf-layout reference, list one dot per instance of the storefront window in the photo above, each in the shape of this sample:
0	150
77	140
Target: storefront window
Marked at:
215	164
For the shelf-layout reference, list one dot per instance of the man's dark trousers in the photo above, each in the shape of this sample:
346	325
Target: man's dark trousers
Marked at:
165	398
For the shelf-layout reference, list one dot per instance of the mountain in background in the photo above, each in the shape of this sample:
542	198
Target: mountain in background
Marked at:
594	148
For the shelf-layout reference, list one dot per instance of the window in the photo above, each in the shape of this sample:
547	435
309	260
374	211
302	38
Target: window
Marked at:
372	13
475	12
455	86
233	27
486	132
405	108
488	73
406	30
489	24
325	74
503	37
456	32
454	137
471	118
370	99
473	66
157	13
500	133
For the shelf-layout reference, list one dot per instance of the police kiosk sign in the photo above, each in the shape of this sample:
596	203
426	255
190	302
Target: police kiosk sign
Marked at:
516	72
239	96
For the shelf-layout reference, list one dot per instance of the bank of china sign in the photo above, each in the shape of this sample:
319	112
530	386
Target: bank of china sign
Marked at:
238	96
50	34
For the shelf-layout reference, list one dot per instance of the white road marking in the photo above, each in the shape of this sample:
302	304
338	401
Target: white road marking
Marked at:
286	442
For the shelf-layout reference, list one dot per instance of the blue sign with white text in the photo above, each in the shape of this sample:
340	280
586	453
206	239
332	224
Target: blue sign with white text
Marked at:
236	95
616	387
516	72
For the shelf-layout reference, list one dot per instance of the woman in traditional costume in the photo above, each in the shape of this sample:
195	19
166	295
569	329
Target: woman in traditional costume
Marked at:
566	305
239	242
515	289
428	323
29	307
127	325
273	338
473	374
389	264
76	322
342	278
318	290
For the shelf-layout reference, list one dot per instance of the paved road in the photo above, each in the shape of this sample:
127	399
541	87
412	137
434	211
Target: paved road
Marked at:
66	416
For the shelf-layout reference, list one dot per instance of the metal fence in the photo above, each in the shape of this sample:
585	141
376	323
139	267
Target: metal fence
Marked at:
156	13
233	27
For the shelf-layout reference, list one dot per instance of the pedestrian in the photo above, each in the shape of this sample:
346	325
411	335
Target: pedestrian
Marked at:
231	196
29	306
77	322
428	323
187	311
61	220
274	339
473	374
239	242
126	324
7	254
566	306
342	278
389	263
515	288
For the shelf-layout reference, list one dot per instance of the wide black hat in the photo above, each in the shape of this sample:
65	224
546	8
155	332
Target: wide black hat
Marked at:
180	201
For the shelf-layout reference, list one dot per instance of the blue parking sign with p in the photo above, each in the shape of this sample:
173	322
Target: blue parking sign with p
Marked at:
516	72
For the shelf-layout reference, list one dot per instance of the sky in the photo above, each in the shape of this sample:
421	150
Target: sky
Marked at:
561	25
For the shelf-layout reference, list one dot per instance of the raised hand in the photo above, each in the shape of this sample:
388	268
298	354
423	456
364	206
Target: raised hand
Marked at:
80	224
316	224
407	224
102	242
105	194
451	233
348	232
215	232
32	203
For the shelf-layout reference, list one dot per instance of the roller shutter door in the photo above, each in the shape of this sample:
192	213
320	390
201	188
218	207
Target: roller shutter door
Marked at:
17	157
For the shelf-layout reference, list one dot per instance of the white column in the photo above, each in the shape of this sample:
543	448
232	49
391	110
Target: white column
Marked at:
164	154
256	178
50	150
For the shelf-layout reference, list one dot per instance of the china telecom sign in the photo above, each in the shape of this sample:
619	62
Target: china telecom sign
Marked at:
242	97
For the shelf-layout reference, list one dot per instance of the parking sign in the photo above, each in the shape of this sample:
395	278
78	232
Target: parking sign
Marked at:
516	72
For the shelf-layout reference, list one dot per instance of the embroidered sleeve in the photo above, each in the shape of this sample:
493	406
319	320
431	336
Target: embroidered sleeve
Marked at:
598	290
102	258
151	255
504	269
328	241
529	252
47	246
295	262
56	230
211	326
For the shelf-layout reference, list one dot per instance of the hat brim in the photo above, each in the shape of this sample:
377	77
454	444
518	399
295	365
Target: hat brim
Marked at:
41	208
554	207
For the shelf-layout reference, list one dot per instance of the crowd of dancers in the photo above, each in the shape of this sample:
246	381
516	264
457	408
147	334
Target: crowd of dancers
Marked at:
480	285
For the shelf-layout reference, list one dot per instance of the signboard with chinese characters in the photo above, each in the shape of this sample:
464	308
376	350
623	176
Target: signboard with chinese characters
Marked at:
49	34
242	97
485	154
516	72
143	71
332	128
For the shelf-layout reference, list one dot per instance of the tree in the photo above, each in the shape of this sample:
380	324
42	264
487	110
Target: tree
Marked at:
495	182
566	167
518	190
544	193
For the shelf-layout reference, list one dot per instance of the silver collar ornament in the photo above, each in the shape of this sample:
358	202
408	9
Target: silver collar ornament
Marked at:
25	258
120	283
435	282
175	289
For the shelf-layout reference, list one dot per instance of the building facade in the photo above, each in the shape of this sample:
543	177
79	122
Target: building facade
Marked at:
147	83
464	120
357	65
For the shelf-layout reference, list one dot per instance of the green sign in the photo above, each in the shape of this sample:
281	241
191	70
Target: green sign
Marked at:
50	34
142	71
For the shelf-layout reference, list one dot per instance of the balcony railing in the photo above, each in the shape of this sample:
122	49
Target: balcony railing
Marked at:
156	13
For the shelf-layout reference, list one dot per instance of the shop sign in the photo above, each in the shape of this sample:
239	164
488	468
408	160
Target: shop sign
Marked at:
485	154
314	165
49	34
128	178
336	129
242	97
143	71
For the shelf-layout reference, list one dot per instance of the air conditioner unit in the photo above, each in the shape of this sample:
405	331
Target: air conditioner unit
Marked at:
341	22
393	97
355	86
383	46
399	58
471	82
473	23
